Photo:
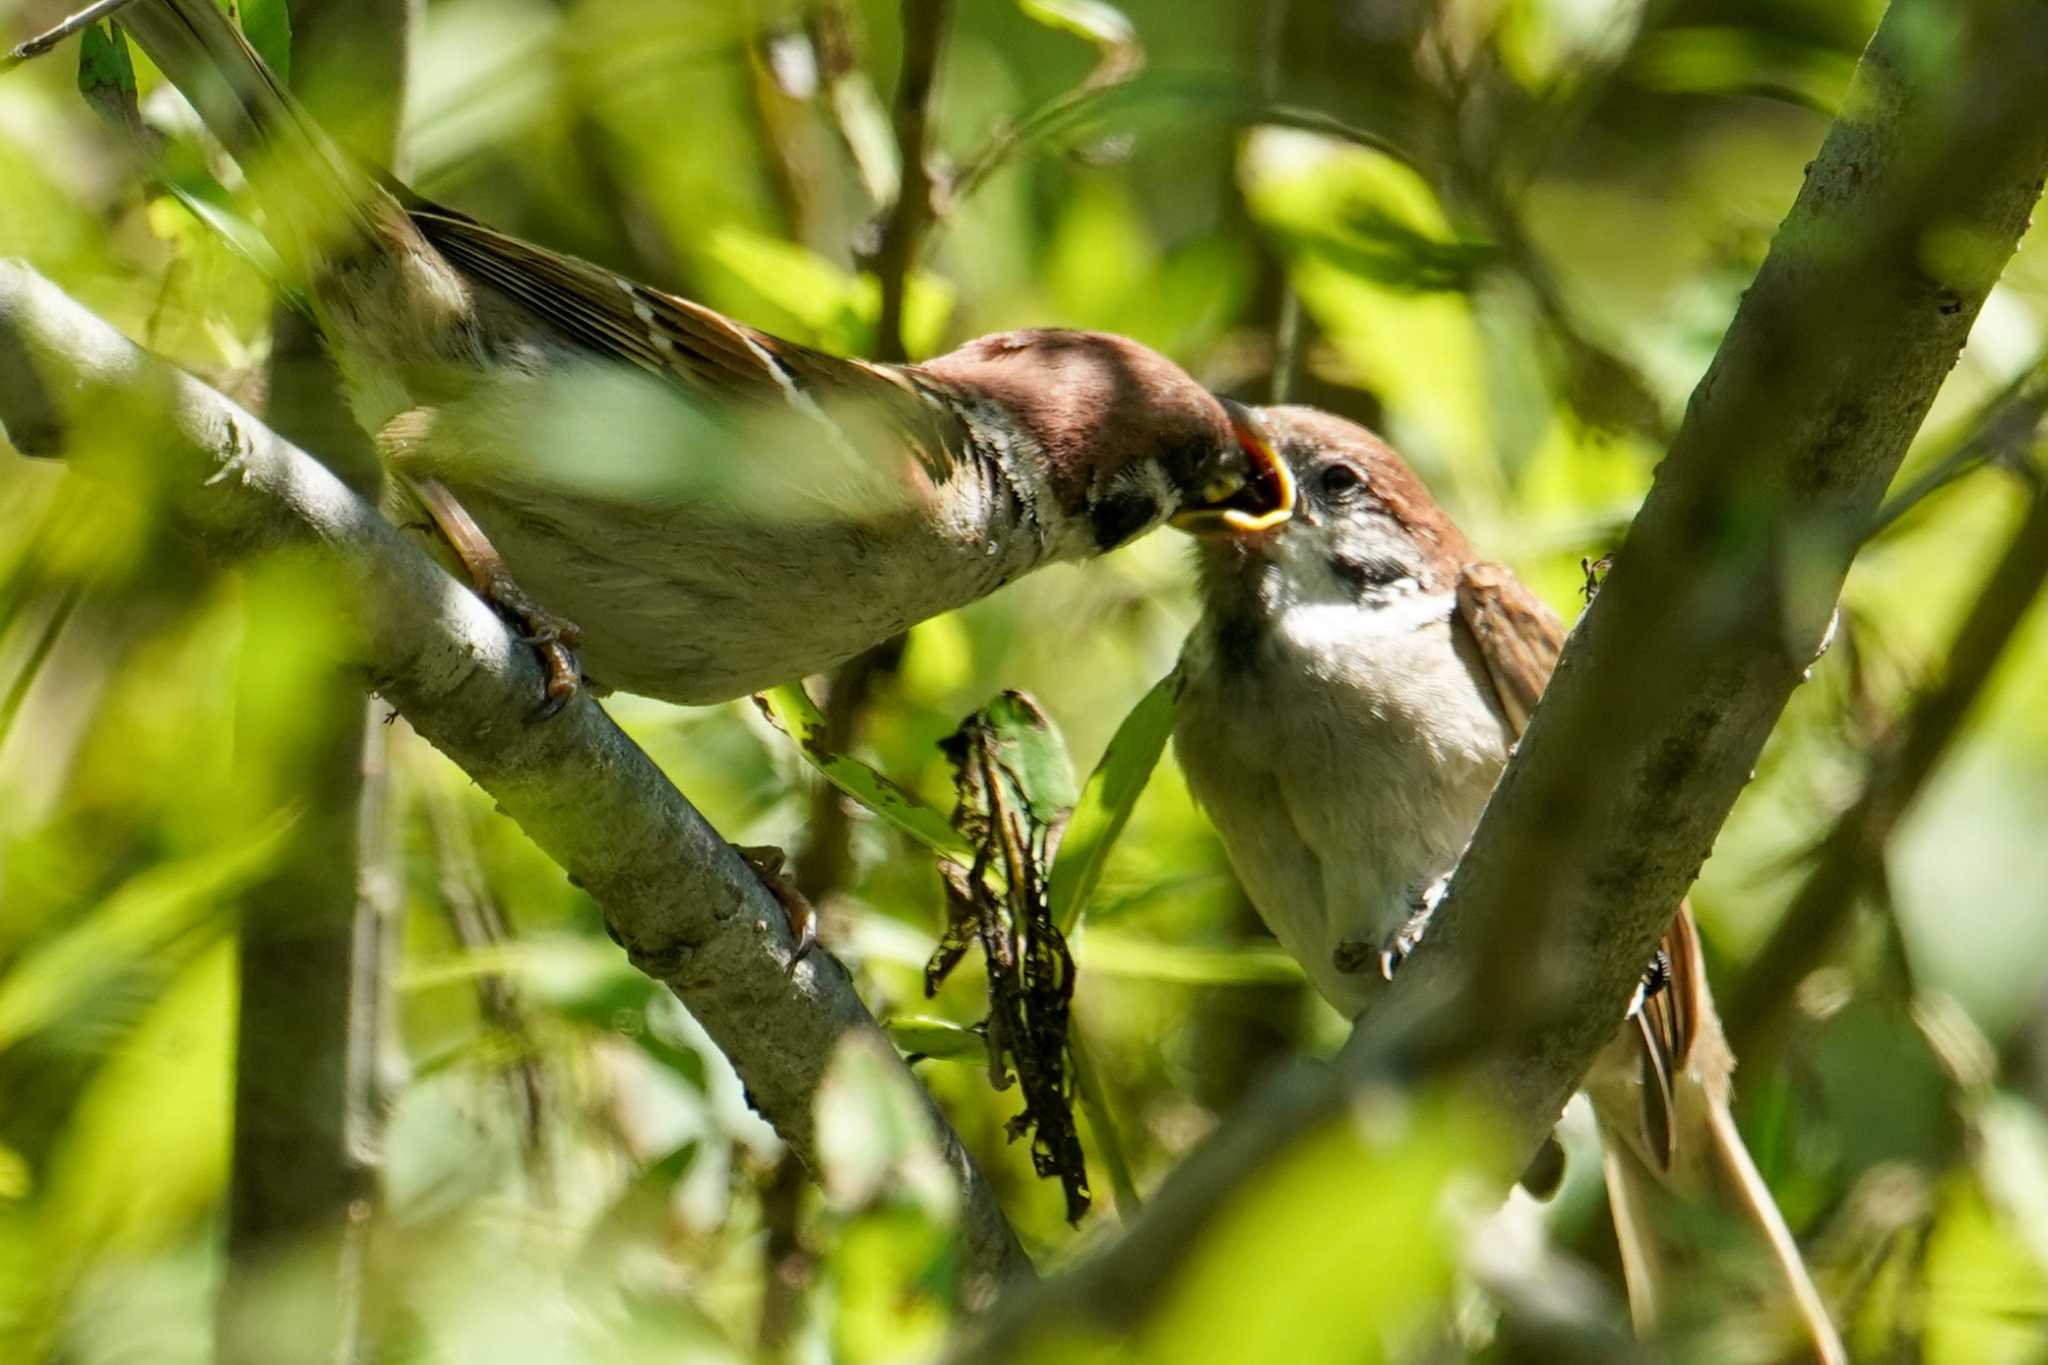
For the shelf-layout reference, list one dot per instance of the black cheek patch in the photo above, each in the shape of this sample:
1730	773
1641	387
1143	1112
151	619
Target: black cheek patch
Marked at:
1121	514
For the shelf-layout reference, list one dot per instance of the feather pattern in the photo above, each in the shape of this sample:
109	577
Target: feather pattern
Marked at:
698	347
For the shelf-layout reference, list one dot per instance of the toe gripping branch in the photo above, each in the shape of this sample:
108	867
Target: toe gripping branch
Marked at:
553	638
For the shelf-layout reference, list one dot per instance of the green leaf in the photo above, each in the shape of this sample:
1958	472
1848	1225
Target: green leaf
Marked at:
790	709
924	1036
106	78
103	63
1032	749
1106	952
1106	802
139	919
1104	25
833	307
267	24
874	1131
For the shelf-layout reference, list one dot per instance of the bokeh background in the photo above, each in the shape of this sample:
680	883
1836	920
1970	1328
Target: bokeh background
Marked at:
1506	233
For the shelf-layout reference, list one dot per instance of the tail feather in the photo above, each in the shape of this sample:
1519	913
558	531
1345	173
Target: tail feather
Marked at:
1642	1263
323	202
1746	1183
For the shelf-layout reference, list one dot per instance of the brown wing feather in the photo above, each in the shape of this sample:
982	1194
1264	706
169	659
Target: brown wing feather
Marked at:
1520	638
1516	632
698	347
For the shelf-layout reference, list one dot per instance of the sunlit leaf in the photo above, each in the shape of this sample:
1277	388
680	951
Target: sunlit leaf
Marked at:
1369	1199
1106	802
790	709
920	1036
267	24
1098	22
834	308
146	912
875	1136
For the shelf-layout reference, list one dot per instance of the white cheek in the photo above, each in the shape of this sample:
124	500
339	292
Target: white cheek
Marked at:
1326	628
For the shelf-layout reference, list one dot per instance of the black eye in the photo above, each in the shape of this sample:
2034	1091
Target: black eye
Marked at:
1340	480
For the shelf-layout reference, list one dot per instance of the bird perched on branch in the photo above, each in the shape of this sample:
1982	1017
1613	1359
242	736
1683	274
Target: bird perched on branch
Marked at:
1353	690
714	509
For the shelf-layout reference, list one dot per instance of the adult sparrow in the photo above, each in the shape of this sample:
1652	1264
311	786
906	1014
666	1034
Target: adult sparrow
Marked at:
715	509
1353	689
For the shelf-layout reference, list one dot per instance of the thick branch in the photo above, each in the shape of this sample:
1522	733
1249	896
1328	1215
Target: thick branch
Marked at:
687	910
1714	609
1721	594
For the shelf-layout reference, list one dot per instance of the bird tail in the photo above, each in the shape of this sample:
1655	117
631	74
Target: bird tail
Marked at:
1707	1162
322	205
1746	1188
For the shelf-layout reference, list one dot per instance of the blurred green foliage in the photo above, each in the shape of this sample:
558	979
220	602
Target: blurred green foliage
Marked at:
1515	229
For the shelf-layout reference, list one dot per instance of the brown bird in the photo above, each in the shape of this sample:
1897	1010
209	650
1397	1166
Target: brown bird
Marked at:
1354	687
715	509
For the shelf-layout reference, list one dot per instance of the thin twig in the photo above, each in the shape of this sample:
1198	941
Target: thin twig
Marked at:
43	42
478	924
924	36
2004	428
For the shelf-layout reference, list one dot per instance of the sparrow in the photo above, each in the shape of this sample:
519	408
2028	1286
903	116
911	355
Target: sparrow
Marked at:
1354	686
667	500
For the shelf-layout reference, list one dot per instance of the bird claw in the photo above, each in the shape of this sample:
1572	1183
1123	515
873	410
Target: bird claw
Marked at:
551	637
767	861
1404	940
1656	980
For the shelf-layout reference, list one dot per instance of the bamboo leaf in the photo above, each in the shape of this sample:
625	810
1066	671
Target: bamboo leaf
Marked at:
267	24
790	709
1106	802
924	1036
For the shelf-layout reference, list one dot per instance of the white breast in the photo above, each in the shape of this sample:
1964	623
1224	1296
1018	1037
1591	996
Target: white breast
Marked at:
1344	759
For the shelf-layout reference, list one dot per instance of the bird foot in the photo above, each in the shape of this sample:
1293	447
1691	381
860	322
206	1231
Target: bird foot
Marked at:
1404	940
553	638
1656	978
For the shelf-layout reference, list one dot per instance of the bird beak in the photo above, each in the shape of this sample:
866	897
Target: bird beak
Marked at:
1253	494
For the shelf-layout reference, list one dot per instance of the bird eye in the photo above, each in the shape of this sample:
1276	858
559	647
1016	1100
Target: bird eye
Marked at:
1340	480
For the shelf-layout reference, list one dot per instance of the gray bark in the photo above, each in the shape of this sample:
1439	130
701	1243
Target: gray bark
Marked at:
1713	611
685	907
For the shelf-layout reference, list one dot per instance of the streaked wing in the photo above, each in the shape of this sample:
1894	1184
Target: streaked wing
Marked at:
705	351
1517	633
1520	638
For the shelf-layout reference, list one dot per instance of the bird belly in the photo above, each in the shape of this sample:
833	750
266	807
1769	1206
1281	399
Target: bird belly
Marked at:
707	554
694	606
1343	782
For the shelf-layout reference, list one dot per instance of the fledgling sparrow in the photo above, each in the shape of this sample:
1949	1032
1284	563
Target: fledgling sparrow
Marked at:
1353	689
715	509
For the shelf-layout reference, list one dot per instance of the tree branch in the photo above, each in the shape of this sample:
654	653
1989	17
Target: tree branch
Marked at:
687	909
1715	608
924	34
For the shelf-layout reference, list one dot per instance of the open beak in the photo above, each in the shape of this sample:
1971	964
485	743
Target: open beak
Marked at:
1255	494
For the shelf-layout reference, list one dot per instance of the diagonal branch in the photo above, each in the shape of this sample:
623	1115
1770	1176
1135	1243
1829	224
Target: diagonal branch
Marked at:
688	911
1715	608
